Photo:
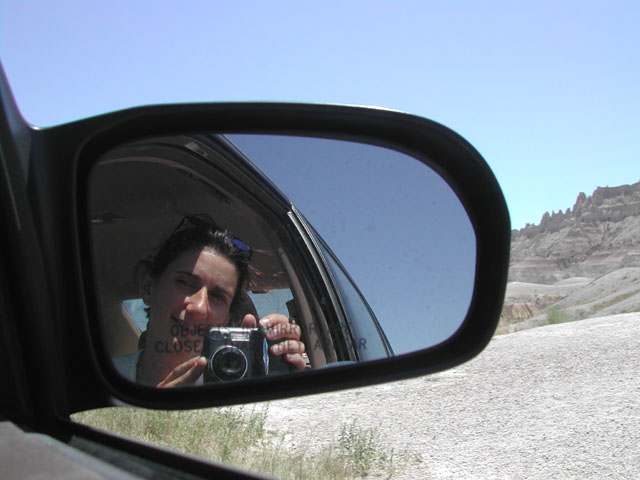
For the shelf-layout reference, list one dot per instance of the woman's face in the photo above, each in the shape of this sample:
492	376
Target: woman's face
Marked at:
193	293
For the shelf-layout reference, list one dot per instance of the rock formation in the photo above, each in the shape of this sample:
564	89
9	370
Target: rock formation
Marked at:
600	234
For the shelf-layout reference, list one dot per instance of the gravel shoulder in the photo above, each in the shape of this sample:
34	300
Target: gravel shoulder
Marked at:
560	401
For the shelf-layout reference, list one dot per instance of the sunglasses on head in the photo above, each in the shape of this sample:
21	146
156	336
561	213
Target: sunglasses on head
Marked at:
205	221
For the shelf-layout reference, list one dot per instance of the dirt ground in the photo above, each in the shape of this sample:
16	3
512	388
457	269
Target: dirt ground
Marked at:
560	401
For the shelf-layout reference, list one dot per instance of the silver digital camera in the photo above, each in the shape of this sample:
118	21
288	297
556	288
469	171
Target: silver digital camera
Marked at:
234	353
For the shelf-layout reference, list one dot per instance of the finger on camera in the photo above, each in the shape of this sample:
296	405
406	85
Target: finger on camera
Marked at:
296	360
284	331
249	321
185	373
273	319
287	346
191	375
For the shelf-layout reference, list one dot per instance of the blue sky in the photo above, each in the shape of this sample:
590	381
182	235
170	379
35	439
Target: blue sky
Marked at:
547	91
397	227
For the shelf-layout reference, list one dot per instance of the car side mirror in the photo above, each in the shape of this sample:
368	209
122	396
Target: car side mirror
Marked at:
403	234
377	241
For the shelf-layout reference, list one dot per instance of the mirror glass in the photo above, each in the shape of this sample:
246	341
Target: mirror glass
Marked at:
226	257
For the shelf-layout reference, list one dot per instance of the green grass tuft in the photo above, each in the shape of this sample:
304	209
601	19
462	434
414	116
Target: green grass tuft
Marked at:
556	315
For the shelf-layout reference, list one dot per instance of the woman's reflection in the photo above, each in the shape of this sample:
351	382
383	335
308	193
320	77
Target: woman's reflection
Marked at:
197	280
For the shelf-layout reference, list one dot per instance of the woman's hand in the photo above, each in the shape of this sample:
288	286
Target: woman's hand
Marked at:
287	335
184	374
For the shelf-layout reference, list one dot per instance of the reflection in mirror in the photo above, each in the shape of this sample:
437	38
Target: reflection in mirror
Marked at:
398	228
206	273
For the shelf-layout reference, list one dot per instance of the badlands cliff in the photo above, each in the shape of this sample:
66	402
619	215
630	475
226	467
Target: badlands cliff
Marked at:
576	264
600	234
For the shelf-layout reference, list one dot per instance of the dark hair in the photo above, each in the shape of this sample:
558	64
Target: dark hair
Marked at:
195	232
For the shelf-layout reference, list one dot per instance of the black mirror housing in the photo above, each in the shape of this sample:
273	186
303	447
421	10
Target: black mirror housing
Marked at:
56	165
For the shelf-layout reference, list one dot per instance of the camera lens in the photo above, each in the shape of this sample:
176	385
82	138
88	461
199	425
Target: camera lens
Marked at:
228	363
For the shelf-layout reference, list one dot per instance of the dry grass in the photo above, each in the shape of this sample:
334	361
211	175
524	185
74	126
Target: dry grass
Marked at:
613	301
238	436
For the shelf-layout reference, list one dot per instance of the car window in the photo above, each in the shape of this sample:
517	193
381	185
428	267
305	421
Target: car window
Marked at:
274	301
135	308
371	341
385	215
